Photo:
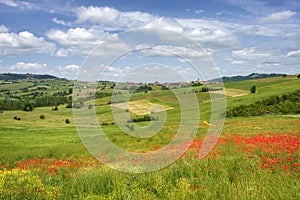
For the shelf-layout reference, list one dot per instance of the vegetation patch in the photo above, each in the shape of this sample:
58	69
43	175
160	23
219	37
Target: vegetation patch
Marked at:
285	104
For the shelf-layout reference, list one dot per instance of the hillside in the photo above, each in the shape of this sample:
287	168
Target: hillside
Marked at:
14	77
248	77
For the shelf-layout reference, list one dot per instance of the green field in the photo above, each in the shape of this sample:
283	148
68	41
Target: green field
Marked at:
255	158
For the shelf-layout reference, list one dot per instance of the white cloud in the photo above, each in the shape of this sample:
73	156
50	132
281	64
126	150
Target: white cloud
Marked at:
61	52
212	37
61	22
23	43
72	67
251	53
279	16
81	41
199	11
112	19
21	4
184	52
10	3
239	62
3	29
165	24
293	53
27	67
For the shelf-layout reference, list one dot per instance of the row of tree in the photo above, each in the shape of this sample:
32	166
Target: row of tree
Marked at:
29	104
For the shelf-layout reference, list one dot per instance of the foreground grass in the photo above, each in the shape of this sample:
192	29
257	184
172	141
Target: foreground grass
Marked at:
62	169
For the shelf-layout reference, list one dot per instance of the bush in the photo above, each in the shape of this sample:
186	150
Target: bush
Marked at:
42	116
144	118
17	118
298	76
253	89
204	89
67	121
55	108
22	184
286	104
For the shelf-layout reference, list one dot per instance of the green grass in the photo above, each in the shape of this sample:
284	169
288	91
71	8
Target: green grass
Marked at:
229	176
15	86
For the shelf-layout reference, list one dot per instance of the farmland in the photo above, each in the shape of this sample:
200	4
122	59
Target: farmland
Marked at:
256	157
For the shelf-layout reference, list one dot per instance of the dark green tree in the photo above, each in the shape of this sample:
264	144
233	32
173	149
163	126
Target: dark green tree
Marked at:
253	89
67	121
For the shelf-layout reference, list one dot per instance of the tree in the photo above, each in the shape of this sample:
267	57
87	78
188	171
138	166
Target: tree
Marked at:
28	107
67	121
298	76
253	89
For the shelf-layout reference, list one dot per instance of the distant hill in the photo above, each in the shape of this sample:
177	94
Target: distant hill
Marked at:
14	77
248	77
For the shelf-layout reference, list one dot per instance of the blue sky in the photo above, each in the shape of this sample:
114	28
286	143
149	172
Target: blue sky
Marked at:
241	37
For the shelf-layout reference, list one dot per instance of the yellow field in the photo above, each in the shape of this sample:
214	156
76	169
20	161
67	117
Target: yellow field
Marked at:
142	107
233	92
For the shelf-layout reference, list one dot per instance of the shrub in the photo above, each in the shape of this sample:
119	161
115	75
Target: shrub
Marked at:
67	121
204	89
55	108
22	184
253	89
286	104
42	116
298	76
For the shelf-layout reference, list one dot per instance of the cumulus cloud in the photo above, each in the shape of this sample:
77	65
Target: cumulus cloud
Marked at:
28	67
22	43
81	41
293	53
212	37
112	19
279	16
69	67
3	29
165	23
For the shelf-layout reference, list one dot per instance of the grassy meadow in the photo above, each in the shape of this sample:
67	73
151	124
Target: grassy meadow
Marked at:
255	157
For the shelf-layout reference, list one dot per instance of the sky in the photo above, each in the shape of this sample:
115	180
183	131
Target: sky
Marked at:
117	37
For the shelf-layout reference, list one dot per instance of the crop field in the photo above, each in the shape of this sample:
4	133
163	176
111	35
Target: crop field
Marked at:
256	157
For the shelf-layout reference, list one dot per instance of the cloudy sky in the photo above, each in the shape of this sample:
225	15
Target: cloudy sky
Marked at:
241	37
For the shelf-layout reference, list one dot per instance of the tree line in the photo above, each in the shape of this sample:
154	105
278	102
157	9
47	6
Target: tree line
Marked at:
285	104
